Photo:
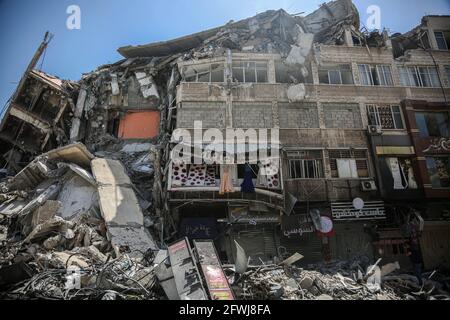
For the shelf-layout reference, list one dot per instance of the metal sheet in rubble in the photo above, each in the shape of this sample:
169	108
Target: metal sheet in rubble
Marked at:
187	277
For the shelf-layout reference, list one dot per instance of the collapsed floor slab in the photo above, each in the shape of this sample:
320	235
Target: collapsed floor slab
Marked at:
120	208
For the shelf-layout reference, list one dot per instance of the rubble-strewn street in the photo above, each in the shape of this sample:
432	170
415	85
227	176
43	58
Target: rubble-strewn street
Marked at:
112	187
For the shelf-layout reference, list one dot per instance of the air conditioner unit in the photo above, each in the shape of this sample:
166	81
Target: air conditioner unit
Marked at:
368	185
374	130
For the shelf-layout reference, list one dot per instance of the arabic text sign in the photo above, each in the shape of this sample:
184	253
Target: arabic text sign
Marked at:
346	211
296	225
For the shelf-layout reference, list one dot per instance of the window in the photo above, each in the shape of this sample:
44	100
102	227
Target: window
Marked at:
419	76
204	73
348	163
433	124
249	71
379	75
402	173
305	164
439	171
447	70
335	74
440	39
388	117
385	75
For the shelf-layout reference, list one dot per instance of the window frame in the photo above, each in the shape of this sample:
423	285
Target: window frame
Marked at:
339	68
417	74
352	156
424	112
447	72
210	70
443	38
294	156
382	79
434	168
256	69
377	115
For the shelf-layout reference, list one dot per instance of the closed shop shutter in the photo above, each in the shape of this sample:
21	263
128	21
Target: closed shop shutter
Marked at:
350	241
309	245
257	243
435	245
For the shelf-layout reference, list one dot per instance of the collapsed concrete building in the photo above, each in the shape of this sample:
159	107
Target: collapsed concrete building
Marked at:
363	122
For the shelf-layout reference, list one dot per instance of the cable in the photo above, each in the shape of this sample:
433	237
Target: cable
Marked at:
43	58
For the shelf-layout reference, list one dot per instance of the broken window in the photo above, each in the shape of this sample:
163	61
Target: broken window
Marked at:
441	40
289	74
419	76
250	71
379	75
424	40
385	116
335	74
305	164
204	73
402	173
433	124
439	171
346	163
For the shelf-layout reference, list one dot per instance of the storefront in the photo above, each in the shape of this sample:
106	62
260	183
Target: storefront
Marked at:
255	229
298	234
353	223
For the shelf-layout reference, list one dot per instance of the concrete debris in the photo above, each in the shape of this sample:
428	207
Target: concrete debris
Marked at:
93	206
333	281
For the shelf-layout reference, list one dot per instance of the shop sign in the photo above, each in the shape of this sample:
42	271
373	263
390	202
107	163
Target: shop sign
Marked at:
198	228
294	226
242	215
347	211
216	280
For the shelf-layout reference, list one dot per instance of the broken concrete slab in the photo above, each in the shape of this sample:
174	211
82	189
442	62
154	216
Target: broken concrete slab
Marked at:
45	212
296	92
77	196
73	153
110	172
56	224
49	193
136	147
120	207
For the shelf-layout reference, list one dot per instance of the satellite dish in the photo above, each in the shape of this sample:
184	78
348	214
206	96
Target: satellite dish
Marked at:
327	225
358	203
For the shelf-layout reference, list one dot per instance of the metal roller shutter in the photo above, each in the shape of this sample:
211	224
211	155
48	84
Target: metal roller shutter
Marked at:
257	243
309	245
350	241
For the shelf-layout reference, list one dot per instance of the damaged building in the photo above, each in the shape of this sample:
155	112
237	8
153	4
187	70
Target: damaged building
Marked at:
361	168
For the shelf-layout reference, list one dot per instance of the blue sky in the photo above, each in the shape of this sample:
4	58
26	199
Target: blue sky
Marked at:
109	24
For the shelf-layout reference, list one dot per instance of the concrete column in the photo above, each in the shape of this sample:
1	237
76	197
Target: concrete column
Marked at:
271	76
348	37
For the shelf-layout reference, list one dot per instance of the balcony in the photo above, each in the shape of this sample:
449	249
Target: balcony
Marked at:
325	190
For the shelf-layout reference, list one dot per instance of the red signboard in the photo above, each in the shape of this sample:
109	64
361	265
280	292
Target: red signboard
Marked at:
218	286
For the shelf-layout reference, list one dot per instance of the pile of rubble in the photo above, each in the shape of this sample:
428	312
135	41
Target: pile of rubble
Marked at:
71	227
342	280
